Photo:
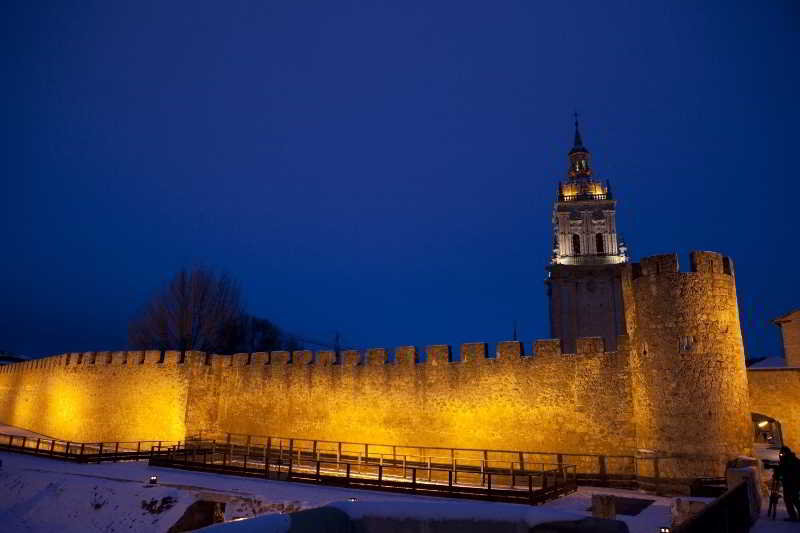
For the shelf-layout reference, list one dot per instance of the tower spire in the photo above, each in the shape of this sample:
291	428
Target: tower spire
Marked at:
578	141
579	156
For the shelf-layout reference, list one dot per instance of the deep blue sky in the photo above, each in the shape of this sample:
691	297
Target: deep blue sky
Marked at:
387	172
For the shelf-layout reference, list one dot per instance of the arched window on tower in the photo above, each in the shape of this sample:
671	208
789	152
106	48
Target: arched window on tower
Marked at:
599	244
576	244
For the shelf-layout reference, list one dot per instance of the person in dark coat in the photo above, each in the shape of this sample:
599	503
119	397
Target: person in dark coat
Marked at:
788	472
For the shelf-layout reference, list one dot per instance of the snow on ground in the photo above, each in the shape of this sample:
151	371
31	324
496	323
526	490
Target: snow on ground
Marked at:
656	515
39	494
455	510
779	525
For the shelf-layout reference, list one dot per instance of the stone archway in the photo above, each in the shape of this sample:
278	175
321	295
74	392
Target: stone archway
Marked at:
767	437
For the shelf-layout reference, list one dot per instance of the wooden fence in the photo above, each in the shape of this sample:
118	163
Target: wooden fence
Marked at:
536	483
590	469
85	452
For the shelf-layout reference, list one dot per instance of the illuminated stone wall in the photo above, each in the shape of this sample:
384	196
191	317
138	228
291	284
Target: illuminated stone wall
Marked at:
548	402
687	362
776	393
98	396
790	336
577	403
675	386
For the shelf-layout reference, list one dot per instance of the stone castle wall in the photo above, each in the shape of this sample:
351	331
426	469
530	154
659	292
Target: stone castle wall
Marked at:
790	337
97	396
549	401
776	393
687	362
546	402
675	386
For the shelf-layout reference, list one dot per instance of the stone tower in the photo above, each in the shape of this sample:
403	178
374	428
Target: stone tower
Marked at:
584	281
689	381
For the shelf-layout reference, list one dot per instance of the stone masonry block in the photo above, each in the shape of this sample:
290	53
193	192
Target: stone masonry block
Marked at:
587	345
376	356
195	358
302	357
279	358
240	359
325	358
473	351
604	506
405	355
219	361
351	357
668	264
509	349
547	347
438	354
259	358
119	358
659	264
152	357
708	262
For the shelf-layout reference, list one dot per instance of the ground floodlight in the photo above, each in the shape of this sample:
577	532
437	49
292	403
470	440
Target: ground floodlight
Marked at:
153	480
664	529
352	499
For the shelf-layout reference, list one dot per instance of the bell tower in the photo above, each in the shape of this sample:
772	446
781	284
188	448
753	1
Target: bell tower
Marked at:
585	273
584	215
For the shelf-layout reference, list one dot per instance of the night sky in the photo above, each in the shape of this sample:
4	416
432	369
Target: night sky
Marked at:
382	169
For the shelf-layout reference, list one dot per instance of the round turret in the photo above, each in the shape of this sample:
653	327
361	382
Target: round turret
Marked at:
688	373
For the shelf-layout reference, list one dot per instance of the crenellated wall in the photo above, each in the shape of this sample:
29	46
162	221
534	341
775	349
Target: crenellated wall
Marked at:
97	396
548	401
674	386
687	362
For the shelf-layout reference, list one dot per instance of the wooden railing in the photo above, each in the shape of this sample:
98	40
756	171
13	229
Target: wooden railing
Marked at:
535	483
85	452
590	469
621	471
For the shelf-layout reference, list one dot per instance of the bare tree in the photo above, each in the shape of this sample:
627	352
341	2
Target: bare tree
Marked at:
254	334
194	311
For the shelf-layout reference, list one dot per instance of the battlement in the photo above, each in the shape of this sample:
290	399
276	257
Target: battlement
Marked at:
433	355
700	262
